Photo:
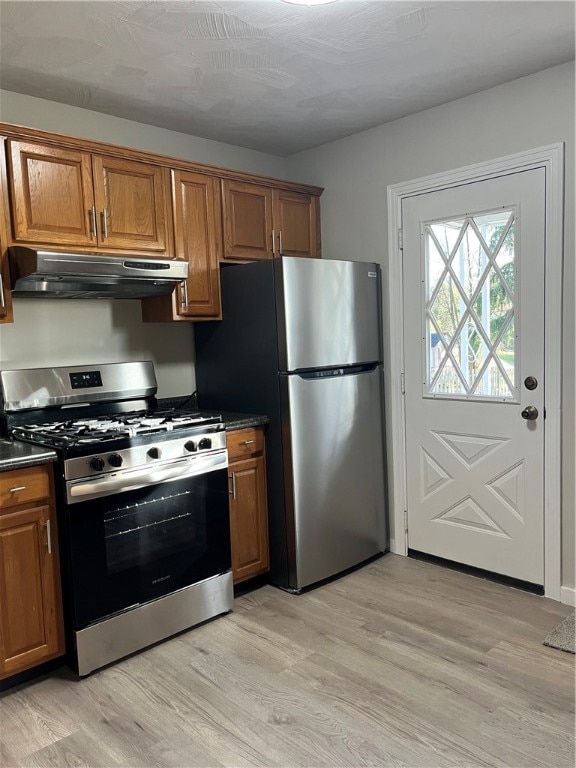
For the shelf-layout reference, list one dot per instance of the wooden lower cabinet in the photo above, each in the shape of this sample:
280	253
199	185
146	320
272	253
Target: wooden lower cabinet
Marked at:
248	506
31	622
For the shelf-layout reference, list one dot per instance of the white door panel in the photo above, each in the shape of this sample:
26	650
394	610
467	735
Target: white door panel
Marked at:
474	330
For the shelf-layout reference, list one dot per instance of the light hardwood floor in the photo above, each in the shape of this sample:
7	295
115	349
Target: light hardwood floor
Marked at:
402	663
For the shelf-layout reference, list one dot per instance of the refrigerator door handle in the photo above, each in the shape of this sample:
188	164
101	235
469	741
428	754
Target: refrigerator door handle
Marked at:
326	373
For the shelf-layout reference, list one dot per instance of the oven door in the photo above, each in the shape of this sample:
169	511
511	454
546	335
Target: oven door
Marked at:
131	547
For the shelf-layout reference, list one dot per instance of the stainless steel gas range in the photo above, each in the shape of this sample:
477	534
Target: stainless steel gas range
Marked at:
142	501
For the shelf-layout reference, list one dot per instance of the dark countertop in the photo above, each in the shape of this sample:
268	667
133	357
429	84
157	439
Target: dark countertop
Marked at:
15	455
231	420
242	420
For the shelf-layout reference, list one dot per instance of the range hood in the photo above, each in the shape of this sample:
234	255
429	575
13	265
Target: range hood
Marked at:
52	274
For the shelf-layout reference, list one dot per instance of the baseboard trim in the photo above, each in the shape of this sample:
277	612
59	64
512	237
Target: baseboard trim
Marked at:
568	596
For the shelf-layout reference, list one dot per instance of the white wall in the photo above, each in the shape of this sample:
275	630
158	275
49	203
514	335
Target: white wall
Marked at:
60	332
526	113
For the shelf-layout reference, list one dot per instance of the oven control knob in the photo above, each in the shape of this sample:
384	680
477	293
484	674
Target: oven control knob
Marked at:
154	453
115	460
97	464
190	446
205	443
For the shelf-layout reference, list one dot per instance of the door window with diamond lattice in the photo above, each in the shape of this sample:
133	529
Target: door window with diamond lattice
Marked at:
470	306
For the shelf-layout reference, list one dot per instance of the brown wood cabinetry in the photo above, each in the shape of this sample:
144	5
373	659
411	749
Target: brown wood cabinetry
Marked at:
248	506
297	223
262	222
6	315
247	221
196	210
68	197
31	625
63	192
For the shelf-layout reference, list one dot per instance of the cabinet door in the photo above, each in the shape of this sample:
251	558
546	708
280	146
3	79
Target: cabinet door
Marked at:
195	200
247	217
296	223
248	518
130	204
30	609
6	315
52	195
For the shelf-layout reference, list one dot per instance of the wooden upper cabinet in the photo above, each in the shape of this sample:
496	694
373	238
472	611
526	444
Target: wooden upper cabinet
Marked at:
263	222
6	315
52	194
296	223
247	220
197	239
69	197
130	205
196	218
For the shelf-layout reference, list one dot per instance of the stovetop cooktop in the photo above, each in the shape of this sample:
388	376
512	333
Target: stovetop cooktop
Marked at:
106	428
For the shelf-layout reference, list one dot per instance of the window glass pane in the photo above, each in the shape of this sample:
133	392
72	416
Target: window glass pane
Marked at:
470	305
448	308
469	262
436	349
492	383
435	264
449	382
447	233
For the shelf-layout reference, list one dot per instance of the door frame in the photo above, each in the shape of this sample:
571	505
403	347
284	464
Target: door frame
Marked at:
551	158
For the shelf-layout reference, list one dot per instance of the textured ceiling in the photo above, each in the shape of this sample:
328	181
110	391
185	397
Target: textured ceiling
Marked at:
272	76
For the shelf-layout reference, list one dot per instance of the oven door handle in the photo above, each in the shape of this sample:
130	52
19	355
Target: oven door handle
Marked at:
132	479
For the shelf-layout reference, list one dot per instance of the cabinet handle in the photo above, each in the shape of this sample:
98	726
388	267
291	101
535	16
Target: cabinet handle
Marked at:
17	488
233	491
184	293
246	442
92	214
273	243
48	537
104	216
280	239
2	298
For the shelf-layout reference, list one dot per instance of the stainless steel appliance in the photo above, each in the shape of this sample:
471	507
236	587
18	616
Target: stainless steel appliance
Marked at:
53	274
301	342
142	502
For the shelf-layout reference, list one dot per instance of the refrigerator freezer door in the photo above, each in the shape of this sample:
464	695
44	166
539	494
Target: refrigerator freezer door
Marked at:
338	470
328	313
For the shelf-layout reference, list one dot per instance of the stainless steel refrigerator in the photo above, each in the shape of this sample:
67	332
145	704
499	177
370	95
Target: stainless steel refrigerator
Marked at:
301	341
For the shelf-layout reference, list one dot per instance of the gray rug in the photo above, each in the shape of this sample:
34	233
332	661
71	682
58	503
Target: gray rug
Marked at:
563	636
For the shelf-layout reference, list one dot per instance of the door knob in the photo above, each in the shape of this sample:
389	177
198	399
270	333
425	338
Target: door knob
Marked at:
530	413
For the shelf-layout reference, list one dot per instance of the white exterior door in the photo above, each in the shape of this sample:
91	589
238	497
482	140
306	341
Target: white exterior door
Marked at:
473	277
